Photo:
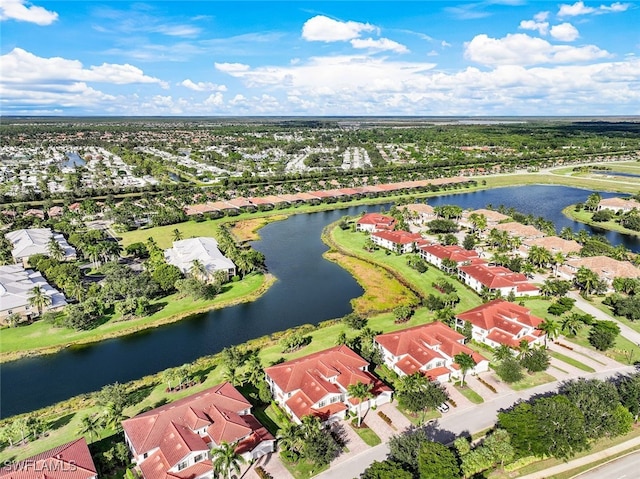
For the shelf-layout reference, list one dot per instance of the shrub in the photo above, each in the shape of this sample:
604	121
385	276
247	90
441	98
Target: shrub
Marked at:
384	417
489	386
262	473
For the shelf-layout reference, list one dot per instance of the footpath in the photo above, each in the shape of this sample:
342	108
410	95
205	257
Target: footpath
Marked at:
582	461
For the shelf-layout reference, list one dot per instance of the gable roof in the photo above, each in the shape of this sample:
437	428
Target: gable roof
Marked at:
500	314
453	252
146	431
518	229
554	244
67	461
606	267
496	277
398	237
378	220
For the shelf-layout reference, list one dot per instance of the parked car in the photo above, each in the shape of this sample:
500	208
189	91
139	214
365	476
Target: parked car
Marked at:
444	407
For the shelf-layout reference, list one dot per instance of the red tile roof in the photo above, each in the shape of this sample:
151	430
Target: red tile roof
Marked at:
398	237
67	461
495	277
453	252
381	222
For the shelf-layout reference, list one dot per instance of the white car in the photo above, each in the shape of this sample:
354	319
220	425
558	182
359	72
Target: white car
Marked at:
444	407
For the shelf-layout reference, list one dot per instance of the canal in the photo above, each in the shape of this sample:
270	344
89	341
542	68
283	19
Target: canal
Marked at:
309	290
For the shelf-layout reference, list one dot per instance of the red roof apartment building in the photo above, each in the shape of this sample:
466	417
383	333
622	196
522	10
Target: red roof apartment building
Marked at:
501	322
317	384
496	279
372	222
68	461
429	349
174	440
398	241
436	253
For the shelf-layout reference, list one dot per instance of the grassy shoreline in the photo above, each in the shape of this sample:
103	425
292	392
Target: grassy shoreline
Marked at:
585	218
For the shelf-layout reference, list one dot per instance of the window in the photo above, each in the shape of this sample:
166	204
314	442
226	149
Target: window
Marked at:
182	466
198	458
322	403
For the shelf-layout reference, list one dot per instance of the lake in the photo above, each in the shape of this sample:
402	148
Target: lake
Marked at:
309	290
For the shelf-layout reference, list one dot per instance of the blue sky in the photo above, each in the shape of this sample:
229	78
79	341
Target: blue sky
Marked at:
433	58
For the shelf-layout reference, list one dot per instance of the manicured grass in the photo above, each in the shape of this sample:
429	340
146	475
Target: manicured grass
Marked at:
597	302
367	435
571	361
579	470
532	380
421	417
621	350
584	216
470	394
42	336
303	469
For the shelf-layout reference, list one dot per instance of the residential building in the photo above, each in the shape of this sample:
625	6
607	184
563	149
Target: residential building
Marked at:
553	244
174	440
317	384
493	217
618	205
16	284
186	254
501	322
420	213
436	253
71	460
496	279
398	241
430	349
524	232
606	268
372	222
27	242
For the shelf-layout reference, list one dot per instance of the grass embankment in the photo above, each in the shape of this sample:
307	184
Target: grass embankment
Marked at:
571	361
44	338
584	216
247	230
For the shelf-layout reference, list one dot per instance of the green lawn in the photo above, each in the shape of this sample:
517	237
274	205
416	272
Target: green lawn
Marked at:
41	335
571	361
470	394
584	216
367	435
622	350
302	469
532	380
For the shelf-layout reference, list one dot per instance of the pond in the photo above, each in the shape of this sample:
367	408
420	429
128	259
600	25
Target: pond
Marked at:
309	290
73	160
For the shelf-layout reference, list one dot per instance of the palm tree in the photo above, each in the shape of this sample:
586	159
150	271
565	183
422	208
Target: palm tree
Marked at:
572	324
225	460
199	270
479	221
290	437
557	260
586	279
54	249
113	417
539	256
76	289
177	234
88	426
567	233
502	352
466	363
550	328
523	348
39	298
255	372
361	392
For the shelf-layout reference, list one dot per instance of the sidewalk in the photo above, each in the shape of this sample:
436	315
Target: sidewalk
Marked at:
567	466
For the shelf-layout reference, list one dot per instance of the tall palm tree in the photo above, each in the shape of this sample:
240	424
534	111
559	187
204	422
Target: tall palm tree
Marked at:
567	233
290	437
225	460
54	249
466	363
361	392
177	234
572	324
88	426
550	328
502	352
539	256
557	260
586	279
199	270
39	299
254	371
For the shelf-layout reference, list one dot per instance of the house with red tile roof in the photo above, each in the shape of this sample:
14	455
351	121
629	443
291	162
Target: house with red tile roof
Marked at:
492	217
520	230
436	253
419	213
68	461
398	241
496	279
553	244
372	222
501	322
618	204
317	384
174	440
429	349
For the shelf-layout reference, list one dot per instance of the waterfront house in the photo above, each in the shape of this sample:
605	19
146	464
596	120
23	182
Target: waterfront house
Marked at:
524	232
553	244
420	213
317	384
185	254
71	460
496	279
27	242
606	268
500	322
398	241
174	441
493	217
16	284
372	222
436	253
429	349
618	205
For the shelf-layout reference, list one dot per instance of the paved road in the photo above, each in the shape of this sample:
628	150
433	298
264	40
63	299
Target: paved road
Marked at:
624	468
456	423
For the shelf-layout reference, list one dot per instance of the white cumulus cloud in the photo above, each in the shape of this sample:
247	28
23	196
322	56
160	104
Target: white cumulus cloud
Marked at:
381	44
325	29
541	27
24	11
579	8
565	32
231	67
521	49
202	86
